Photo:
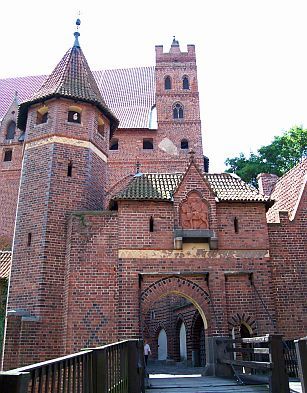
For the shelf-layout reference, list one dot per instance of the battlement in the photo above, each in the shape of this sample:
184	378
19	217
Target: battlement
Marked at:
175	55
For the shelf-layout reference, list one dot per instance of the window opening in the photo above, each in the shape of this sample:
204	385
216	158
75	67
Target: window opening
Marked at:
184	144
151	224
74	117
11	130
167	83
114	144
42	115
148	144
29	241
236	225
178	111
69	169
185	83
8	155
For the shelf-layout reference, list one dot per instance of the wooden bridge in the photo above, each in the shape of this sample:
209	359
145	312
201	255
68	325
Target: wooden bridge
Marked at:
119	368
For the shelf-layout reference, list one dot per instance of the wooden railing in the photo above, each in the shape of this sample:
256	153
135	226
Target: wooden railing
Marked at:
247	355
301	350
114	368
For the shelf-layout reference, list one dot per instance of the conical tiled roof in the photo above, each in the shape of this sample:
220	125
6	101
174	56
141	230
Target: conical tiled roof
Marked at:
71	78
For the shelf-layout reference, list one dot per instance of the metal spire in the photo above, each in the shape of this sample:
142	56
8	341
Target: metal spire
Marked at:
76	33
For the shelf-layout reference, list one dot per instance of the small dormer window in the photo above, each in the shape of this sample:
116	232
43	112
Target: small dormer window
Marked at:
178	111
74	114
42	115
11	129
185	83
168	83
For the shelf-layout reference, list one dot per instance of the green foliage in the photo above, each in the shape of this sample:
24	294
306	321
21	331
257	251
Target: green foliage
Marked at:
279	157
3	295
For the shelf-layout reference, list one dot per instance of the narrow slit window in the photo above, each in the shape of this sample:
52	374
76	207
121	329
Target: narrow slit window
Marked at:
8	154
69	169
236	225
29	240
151	224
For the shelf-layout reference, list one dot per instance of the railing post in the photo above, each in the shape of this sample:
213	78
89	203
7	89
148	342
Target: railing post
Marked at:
279	382
14	383
301	351
135	367
100	371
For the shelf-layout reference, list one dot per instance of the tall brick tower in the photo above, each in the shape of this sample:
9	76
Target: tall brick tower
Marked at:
173	127
177	101
67	130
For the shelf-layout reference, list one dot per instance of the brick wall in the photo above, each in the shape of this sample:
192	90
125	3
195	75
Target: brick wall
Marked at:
288	250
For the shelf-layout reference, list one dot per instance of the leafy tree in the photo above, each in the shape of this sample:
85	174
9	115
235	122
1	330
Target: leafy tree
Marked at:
279	157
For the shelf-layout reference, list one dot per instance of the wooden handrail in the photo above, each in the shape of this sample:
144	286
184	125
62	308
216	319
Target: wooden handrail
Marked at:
116	367
278	379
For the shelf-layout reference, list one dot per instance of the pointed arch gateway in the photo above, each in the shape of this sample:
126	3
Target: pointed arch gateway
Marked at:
180	286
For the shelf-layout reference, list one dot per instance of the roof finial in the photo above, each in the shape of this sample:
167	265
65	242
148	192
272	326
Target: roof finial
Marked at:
138	165
76	33
175	42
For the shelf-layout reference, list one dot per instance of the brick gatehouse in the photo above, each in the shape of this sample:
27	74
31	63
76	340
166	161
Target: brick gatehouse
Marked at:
119	224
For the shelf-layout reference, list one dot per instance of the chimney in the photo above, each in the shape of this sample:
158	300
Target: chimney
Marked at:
266	183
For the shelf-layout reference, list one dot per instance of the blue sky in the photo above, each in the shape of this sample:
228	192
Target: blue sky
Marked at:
251	56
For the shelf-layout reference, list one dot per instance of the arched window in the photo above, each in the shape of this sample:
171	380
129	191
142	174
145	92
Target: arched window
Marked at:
74	114
168	83
11	129
184	144
42	115
185	83
114	144
178	111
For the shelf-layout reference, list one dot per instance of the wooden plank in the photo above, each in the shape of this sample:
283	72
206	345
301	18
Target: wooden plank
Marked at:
249	364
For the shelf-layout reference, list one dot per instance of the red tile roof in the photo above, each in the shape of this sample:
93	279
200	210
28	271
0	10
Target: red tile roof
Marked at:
71	78
161	186
287	192
5	263
129	93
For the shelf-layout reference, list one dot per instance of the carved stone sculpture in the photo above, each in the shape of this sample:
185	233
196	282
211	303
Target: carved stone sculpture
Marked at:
194	213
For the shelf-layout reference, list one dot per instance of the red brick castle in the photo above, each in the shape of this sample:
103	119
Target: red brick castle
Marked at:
103	175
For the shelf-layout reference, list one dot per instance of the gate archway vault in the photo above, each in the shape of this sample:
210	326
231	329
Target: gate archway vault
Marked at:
180	286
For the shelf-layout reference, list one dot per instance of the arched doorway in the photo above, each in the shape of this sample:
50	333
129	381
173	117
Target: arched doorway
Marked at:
199	341
183	342
162	345
166	304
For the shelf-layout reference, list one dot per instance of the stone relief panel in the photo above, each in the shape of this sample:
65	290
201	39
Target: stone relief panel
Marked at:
194	212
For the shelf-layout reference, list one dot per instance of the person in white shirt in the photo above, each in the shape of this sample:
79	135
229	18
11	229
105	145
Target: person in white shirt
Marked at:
147	351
